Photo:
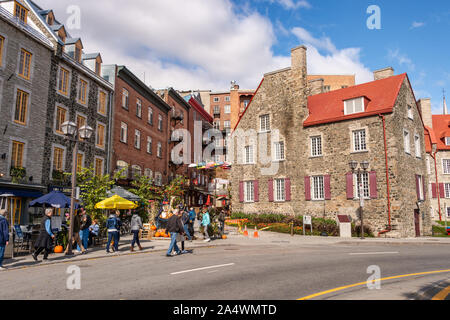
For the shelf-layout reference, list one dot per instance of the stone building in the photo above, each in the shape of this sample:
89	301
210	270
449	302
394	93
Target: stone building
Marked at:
76	93
292	147
25	59
140	135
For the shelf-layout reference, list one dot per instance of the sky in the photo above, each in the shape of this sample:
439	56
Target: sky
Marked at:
205	44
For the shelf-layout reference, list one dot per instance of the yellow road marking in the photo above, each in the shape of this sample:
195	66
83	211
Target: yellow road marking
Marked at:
442	295
365	282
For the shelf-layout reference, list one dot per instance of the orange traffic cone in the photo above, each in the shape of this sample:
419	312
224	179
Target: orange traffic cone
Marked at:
245	232
256	234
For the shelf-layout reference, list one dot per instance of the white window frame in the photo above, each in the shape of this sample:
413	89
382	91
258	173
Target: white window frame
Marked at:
351	103
159	150
227	109
227	99
279	151
123	132
150	116
447	190
139	108
407	141
446	166
125	98
358	144
160	122
366	185
216	99
264	123
279	190
316	146
249	155
137	139
417	146
227	124
410	112
421	193
249	191
317	188
149	144
447	141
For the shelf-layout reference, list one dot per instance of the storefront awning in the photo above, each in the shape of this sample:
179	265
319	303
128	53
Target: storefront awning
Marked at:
21	193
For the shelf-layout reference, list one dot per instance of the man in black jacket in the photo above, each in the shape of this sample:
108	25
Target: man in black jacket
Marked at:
174	226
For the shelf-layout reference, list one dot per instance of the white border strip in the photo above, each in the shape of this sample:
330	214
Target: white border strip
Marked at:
204	268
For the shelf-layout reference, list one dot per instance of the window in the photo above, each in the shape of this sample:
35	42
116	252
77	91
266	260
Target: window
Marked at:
159	151
160	123
217	125
102	103
20	12
446	166
410	113
136	171
63	82
264	123
148	173
80	161
2	43
326	88
20	113
139	108
150	116
216	99
406	142
447	141
227	124
417	145
58	158
125	100
217	110
123	132
249	191
137	139
25	64
100	141
60	119
217	142
17	154
318	190
359	140
122	165
227	99
82	91
316	146
227	109
280	194
149	145
279	151
98	166
365	185
248	155
447	190
246	103
81	121
448	212
354	106
420	183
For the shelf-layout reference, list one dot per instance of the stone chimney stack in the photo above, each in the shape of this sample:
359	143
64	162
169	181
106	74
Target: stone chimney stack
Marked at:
425	108
298	57
383	73
316	86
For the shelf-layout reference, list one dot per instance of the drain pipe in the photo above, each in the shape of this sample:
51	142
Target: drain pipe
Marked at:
389	228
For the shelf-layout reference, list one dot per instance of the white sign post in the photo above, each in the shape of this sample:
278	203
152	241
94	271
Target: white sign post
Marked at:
307	220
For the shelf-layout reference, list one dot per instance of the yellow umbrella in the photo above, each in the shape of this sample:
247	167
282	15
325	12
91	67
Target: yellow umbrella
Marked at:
115	202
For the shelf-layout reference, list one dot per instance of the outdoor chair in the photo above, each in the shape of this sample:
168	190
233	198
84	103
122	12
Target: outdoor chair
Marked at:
20	241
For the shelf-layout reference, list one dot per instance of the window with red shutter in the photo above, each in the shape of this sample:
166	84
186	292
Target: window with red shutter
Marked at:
270	188
241	191
287	182
327	185
349	178
256	190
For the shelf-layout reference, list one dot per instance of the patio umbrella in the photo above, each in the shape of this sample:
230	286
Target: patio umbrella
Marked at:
55	199
121	192
115	202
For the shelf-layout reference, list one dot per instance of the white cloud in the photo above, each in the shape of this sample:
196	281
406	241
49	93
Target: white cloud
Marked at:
401	59
333	61
291	4
192	44
416	24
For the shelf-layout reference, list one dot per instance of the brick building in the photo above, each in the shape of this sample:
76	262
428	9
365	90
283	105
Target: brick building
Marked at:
334	82
312	136
139	138
25	60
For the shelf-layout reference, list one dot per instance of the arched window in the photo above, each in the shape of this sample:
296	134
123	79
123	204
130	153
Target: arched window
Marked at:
148	173
122	165
136	171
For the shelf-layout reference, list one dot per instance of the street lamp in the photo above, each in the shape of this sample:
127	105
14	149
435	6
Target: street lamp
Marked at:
354	167
72	133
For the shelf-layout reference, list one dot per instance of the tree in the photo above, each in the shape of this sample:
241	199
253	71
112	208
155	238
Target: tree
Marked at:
144	188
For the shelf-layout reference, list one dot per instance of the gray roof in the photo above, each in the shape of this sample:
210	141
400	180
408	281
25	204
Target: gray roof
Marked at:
90	56
72	40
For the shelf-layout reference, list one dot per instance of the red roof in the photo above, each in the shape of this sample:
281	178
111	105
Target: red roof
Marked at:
441	128
380	95
196	105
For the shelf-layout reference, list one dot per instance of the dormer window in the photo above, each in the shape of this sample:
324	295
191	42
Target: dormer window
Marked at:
410	113
78	53
20	12
354	106
447	141
50	19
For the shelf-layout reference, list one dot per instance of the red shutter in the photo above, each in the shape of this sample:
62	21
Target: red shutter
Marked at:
287	187
424	188
417	187
327	186
308	188
241	191
256	190
373	185
350	185
441	190
433	190
270	190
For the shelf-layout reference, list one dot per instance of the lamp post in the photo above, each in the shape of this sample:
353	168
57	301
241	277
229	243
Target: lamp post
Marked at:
73	134
364	166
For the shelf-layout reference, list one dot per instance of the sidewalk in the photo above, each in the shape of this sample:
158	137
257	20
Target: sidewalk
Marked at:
160	245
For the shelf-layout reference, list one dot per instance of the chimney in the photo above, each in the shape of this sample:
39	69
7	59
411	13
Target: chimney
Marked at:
383	73
315	86
234	85
298	57
425	108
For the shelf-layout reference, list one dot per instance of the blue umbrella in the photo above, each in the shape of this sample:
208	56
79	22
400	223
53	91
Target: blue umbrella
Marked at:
55	199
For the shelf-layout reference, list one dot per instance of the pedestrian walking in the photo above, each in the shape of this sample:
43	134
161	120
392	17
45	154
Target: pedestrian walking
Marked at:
119	226
4	236
86	222
206	221
76	233
112	226
182	238
44	241
136	225
192	216
221	219
174	227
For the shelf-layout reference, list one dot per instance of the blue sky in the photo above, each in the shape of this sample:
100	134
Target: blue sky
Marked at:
204	44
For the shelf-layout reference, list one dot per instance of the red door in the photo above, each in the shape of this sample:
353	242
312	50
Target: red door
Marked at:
417	222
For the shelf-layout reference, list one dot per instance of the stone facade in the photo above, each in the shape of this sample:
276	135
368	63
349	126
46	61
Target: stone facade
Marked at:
283	96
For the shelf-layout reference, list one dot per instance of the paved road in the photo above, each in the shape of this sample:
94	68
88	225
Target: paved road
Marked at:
280	270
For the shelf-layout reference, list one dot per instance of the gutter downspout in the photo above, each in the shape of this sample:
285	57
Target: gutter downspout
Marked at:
389	228
438	193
